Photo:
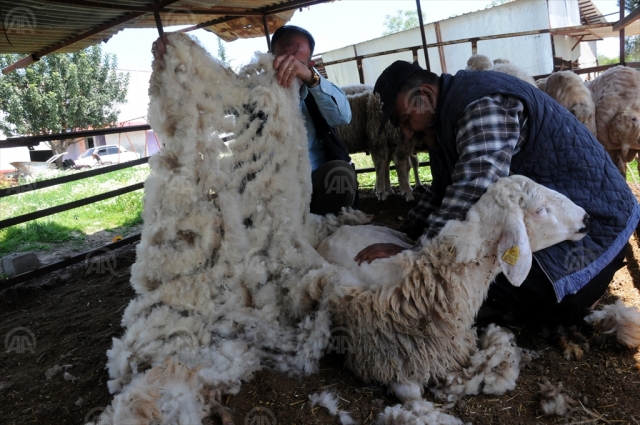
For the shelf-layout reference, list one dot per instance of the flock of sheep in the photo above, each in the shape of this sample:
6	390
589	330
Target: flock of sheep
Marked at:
233	274
609	106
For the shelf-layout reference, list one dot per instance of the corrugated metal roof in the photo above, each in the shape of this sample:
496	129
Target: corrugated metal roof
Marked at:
32	26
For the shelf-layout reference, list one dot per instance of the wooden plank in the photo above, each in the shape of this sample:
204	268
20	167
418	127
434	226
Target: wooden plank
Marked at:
627	20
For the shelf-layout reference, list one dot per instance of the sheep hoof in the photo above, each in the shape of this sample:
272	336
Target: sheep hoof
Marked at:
382	196
406	392
408	196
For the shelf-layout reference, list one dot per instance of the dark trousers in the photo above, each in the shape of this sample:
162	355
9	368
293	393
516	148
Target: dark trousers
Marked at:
334	186
535	300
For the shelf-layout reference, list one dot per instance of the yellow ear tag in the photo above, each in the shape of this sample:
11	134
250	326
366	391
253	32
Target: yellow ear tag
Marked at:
511	255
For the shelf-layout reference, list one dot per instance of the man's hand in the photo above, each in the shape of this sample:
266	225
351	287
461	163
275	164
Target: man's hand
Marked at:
159	48
378	250
288	68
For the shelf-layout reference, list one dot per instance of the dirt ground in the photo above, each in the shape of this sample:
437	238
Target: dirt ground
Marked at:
68	318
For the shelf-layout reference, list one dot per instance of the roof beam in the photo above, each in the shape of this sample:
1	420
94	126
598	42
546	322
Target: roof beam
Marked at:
36	56
268	10
226	11
627	20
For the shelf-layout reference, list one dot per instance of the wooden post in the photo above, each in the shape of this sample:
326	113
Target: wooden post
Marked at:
443	60
266	32
622	59
424	37
474	47
156	15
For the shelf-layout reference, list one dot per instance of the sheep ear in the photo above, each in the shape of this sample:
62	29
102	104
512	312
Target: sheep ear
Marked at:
514	251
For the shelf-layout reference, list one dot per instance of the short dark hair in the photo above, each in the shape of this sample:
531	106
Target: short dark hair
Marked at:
419	78
283	33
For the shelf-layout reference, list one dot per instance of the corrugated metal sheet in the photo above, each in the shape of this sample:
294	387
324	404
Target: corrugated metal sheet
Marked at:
32	26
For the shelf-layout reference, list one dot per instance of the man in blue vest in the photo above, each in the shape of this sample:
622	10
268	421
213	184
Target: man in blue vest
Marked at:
490	125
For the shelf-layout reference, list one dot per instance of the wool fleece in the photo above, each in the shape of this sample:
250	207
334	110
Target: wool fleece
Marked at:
227	244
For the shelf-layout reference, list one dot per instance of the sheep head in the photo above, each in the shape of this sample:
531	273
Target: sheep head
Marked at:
624	130
527	217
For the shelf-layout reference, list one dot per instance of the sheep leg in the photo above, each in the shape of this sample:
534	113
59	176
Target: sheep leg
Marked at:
382	167
415	165
402	168
406	392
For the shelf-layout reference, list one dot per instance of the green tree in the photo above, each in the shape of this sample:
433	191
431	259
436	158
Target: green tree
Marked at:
222	52
61	92
402	20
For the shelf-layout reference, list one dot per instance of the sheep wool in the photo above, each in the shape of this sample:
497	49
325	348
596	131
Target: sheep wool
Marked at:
418	412
618	319
553	400
330	401
226	244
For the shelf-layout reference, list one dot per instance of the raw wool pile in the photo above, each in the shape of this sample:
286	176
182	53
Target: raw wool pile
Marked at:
553	399
330	402
417	412
618	319
226	243
493	369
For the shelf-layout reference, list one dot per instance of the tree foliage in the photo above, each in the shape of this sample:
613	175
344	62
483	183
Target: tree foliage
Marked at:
402	20
631	44
61	92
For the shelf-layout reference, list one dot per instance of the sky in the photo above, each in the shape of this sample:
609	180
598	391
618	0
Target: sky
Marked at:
333	25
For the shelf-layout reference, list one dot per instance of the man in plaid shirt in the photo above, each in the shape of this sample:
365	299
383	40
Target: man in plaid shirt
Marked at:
476	145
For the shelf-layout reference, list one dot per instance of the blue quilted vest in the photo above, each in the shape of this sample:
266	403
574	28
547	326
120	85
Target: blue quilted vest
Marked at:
559	153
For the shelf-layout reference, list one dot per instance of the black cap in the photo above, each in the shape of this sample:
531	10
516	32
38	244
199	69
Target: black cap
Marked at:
389	84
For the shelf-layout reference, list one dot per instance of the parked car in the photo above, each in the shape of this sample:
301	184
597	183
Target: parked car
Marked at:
104	155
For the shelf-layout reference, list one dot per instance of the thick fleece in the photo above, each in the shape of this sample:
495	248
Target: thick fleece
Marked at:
225	245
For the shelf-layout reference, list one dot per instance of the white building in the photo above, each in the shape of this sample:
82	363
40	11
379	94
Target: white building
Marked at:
534	53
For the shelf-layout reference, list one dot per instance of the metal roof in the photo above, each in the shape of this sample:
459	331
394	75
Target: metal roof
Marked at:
39	27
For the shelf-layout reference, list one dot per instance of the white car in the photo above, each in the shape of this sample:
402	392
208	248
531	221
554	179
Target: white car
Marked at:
104	155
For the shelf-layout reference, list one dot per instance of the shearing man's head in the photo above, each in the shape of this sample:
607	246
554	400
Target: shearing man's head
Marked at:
409	96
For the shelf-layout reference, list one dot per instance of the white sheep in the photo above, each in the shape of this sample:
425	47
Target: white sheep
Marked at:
410	316
483	63
571	92
616	94
361	135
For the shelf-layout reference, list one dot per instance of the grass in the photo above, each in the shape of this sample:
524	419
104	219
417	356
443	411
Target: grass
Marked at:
368	180
119	212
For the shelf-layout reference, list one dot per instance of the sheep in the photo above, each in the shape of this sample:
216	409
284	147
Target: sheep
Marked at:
410	316
483	63
616	95
571	92
361	135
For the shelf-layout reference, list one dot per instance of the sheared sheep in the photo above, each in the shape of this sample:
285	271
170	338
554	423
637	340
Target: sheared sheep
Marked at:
361	135
410	316
616	95
483	63
571	92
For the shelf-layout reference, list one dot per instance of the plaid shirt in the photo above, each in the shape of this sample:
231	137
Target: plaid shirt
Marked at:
490	131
